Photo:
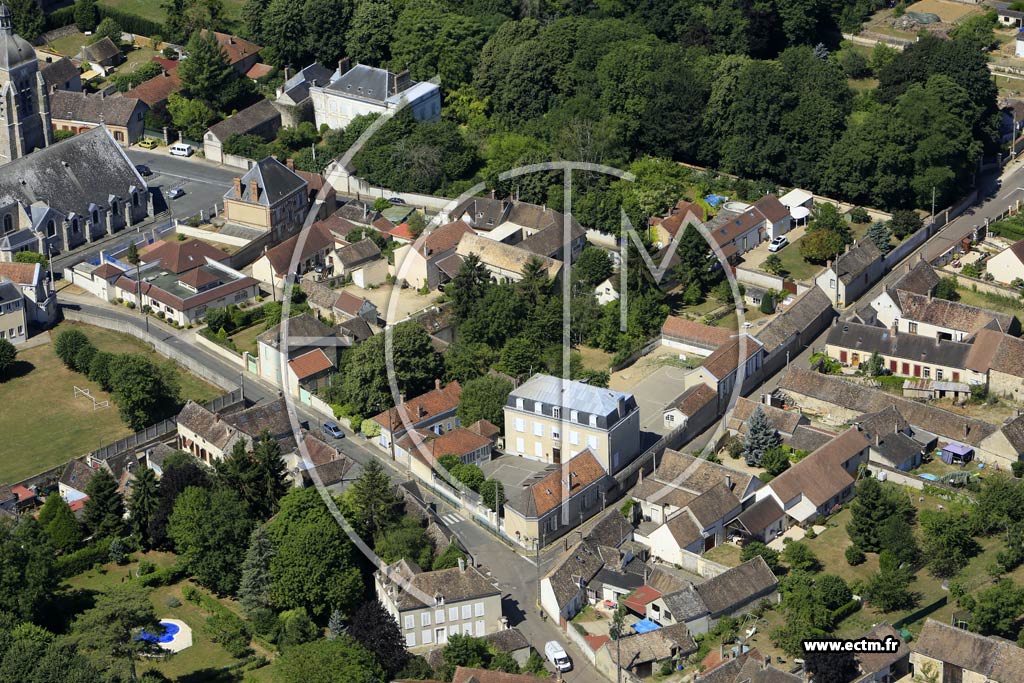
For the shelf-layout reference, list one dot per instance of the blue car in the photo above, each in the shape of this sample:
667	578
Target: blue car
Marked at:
333	430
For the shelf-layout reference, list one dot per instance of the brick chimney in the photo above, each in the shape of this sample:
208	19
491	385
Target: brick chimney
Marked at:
290	163
344	65
437	384
254	191
403	80
238	187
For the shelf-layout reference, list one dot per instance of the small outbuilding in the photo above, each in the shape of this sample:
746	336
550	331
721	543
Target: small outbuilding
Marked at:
955	453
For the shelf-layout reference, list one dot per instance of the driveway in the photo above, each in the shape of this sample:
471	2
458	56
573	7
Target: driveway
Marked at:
204	183
756	256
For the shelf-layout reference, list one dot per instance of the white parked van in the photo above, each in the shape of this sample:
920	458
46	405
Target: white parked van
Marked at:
556	655
180	149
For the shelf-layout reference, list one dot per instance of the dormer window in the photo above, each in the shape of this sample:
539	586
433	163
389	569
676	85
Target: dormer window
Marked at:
538	407
438	600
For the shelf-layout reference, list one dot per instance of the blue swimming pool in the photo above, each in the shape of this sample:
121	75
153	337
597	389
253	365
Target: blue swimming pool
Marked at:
165	636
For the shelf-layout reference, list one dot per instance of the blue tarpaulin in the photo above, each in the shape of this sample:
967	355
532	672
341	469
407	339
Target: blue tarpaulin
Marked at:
645	626
715	199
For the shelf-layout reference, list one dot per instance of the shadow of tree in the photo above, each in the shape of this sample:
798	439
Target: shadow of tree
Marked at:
19	368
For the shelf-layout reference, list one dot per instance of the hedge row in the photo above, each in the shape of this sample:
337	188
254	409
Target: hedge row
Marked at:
224	627
131	23
64	16
840	613
84	559
165	576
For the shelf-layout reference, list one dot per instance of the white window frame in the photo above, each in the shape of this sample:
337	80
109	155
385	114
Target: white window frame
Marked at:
538	428
439	616
410	622
556	412
426	636
467	612
478	609
481	628
538	407
425	619
592	442
453	614
574	415
410	639
520	424
593	420
574	437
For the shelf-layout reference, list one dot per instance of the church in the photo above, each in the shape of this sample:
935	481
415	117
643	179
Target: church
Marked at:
55	197
24	102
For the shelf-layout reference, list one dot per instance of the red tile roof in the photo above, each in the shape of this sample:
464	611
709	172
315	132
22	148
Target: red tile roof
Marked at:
640	598
402	232
725	359
434	402
318	237
582	471
689	331
21	273
347	302
259	70
156	90
236	48
168	65
198	278
309	364
22	493
178	257
443	238
107	270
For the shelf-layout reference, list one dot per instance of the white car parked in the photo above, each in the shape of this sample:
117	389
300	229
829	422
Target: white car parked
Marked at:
778	243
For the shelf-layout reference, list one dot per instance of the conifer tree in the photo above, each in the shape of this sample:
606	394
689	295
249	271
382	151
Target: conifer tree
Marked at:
761	436
104	511
254	587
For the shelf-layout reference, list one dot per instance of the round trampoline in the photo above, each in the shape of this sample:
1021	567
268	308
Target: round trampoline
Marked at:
174	635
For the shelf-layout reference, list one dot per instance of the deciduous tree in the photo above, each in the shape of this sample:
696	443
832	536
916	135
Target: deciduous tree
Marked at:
340	659
110	629
8	354
484	398
210	529
373	627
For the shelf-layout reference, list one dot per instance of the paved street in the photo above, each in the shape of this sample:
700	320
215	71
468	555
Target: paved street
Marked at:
204	183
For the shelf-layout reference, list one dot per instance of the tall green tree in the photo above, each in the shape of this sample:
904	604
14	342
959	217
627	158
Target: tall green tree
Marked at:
370	505
880	234
28	579
143	502
259	477
254	589
873	504
181	471
109	630
947	543
144	391
210	529
8	354
889	589
315	564
376	629
995	611
207	73
29	21
340	659
60	524
86	15
368	38
104	510
761	437
484	398
68	344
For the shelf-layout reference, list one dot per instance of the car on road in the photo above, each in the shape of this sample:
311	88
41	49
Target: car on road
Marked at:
332	430
148	143
557	656
176	192
396	200
778	243
143	170
181	149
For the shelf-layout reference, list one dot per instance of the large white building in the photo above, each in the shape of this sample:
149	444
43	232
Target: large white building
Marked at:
361	89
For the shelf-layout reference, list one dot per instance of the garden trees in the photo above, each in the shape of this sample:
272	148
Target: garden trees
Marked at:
806	616
315	565
889	588
820	245
593	266
86	15
871	507
761	436
143	503
755	548
28	17
875	365
107	28
27	576
465	361
995	611
407	539
104	509
191	117
373	627
370	505
773	264
831	667
254	587
832	591
905	223
259	476
880	234
145	392
324	661
800	558
492	494
364	385
109	630
59	523
483	398
775	461
210	529
180	472
948	543
369	34
207	74
8	354
946	289
67	345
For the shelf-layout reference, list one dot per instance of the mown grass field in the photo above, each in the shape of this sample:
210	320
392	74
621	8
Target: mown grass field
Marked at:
44	424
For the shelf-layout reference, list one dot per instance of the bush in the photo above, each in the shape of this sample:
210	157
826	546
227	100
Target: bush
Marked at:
145	567
166	576
1018	468
230	632
264	621
846	610
83	559
859	214
854	556
173	602
131	23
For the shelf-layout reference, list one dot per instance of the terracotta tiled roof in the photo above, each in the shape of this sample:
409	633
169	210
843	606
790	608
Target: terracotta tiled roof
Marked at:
20	273
236	48
259	70
485	429
107	270
402	232
921	279
705	336
772	208
784	421
582	471
347	302
725	359
309	364
318	237
467	675
457	441
992	350
198	278
820	476
358	253
177	302
443	238
157	89
434	402
693	399
640	598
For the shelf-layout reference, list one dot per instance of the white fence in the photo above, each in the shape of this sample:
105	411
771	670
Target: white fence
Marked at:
700	565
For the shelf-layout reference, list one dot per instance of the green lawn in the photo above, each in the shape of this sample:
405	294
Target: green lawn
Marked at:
154	11
202	661
795	265
44	424
726	553
1001	305
731	321
245	340
69	45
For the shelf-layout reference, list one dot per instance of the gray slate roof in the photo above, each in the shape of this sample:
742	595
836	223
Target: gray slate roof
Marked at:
920	279
366	82
71	174
77	475
613	530
585	398
14	49
795	319
297	87
9	293
79	106
915	347
858	259
274	180
246	121
737	586
304	325
56	74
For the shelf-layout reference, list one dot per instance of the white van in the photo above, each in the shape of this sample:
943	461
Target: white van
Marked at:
557	656
180	149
